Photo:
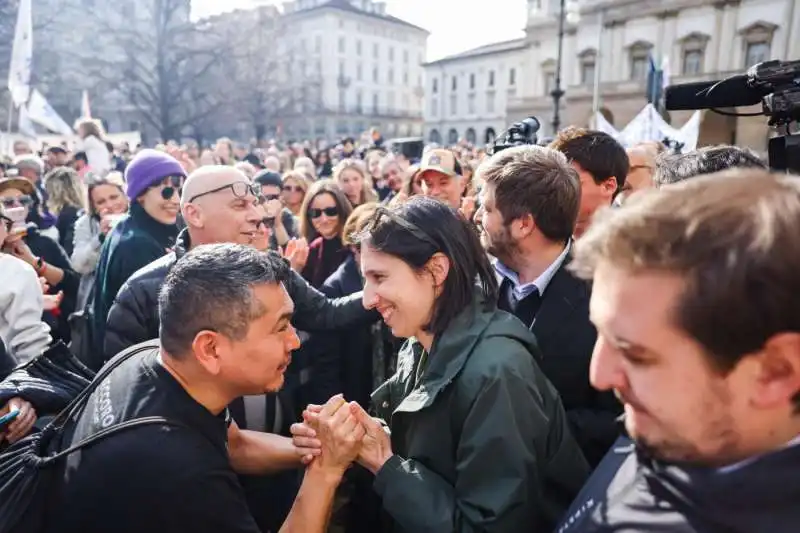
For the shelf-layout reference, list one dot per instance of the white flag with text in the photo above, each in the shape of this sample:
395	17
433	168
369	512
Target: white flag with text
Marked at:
41	112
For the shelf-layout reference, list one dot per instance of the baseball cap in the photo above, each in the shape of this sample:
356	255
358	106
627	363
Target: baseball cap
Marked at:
442	161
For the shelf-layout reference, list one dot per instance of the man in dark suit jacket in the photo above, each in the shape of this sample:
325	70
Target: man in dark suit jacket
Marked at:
529	206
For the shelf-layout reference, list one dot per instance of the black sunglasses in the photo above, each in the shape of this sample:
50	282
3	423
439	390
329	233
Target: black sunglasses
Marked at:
8	222
328	212
292	188
22	201
169	186
240	189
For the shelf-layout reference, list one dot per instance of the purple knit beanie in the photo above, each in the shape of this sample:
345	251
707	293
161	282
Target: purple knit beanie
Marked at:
148	168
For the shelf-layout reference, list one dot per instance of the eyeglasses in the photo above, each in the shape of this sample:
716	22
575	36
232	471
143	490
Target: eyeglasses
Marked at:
292	188
328	212
240	189
8	222
169	186
21	201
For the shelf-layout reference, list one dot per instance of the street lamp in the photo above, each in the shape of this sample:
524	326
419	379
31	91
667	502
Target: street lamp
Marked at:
568	13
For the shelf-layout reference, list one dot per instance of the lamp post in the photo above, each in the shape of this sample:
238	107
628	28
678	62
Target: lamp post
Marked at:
568	12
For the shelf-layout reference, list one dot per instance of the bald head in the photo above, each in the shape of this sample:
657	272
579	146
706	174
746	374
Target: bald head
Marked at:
208	178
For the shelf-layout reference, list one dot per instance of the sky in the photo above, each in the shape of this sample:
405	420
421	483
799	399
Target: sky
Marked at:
454	27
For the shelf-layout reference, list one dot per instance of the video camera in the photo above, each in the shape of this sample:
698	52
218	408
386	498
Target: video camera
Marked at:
518	134
773	84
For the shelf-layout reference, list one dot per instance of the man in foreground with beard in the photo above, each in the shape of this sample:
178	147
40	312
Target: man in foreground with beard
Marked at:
695	304
225	333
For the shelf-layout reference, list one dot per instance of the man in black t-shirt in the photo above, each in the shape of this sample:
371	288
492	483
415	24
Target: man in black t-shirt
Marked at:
225	332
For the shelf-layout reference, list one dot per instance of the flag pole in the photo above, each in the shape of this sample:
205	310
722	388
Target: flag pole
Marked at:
10	112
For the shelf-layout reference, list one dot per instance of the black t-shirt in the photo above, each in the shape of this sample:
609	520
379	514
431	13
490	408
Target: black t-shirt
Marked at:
150	478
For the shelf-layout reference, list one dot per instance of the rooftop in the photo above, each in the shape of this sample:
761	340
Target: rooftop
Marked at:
345	5
487	49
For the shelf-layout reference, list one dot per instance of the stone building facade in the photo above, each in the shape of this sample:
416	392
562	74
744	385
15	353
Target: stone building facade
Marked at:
702	40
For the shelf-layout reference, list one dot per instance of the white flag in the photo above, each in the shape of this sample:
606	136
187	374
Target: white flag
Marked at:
41	112
690	132
25	124
601	124
19	72
665	73
86	111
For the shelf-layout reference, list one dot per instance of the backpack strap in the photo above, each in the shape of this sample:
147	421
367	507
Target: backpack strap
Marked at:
111	430
79	401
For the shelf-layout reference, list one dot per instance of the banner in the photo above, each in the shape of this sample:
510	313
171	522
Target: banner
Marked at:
19	71
41	112
649	125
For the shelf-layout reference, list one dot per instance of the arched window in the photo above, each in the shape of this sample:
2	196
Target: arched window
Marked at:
435	136
452	136
489	136
471	137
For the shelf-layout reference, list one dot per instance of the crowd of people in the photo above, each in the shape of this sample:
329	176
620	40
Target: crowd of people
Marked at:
572	337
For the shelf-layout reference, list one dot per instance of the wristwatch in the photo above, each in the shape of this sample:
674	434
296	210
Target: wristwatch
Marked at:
39	266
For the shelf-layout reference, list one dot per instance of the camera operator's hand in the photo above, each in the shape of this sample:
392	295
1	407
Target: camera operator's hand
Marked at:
273	209
297	253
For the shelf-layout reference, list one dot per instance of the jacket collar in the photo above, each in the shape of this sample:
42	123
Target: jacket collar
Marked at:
449	354
164	234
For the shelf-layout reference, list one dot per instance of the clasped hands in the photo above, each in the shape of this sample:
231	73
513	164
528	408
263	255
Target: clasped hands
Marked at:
339	430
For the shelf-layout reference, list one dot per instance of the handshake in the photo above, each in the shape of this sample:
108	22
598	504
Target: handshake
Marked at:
334	435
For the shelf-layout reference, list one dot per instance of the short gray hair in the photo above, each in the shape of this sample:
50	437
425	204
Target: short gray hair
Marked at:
29	161
211	288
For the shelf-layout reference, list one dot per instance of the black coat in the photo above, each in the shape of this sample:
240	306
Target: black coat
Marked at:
566	339
134	316
65	223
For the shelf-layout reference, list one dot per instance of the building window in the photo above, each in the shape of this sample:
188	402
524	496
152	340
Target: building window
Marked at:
391	53
692	61
490	102
376	52
342	71
454	83
756	53
472	81
435	88
639	60
452	136
405	78
341	45
342	99
359	72
391	75
757	40
453	105
359	101
375	74
375	103
358	47
491	78
587	73
405	57
390	102
471	104
318	43
693	51
549	82
434	107
471	137
512	76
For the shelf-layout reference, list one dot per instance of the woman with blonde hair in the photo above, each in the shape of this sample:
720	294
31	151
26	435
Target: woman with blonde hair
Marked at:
106	205
92	142
66	199
352	177
293	192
